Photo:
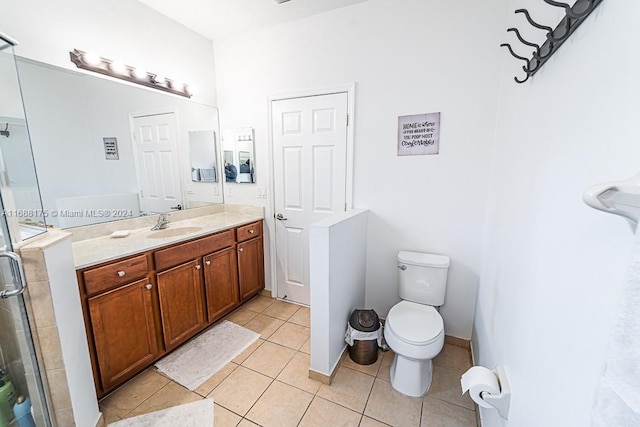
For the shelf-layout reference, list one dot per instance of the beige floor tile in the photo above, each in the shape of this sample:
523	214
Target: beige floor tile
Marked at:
385	365
281	310
269	359
206	387
370	422
453	357
281	405
258	303
393	408
438	413
247	423
224	418
349	388
446	386
248	352
296	373
322	413
367	369
302	317
306	347
133	393
240	390
109	415
290	335
264	325
170	395
241	316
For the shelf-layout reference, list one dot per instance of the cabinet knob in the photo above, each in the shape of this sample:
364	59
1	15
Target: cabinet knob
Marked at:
121	273
149	286
240	249
252	231
198	267
208	262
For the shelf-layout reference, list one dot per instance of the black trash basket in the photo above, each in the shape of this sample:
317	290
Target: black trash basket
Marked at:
364	352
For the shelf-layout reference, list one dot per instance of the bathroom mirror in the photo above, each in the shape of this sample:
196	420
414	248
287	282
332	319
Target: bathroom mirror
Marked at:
202	156
90	144
238	153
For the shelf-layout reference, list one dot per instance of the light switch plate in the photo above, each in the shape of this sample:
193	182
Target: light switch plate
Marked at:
262	192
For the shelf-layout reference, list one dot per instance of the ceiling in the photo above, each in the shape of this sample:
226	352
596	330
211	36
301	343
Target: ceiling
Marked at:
217	19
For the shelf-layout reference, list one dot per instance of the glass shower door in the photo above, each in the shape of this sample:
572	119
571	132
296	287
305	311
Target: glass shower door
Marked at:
22	397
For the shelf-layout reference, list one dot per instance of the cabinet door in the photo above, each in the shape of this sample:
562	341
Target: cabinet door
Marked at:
181	302
124	331
250	268
221	283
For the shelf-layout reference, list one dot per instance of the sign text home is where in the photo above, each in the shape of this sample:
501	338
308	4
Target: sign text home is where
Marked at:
419	134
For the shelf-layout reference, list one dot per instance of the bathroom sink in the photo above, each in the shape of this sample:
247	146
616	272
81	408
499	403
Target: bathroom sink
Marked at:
172	232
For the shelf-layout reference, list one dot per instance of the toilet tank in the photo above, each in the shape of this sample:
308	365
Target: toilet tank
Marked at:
423	277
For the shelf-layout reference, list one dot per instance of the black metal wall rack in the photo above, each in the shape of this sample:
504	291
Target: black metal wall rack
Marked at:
574	16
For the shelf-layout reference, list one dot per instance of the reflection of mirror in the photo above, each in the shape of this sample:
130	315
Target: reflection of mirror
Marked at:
238	149
71	113
18	183
202	155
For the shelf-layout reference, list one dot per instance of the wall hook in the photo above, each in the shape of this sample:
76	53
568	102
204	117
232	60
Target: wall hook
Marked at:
532	22
522	40
515	55
591	4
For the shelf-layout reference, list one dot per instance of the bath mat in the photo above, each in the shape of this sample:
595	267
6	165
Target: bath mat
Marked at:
194	414
198	360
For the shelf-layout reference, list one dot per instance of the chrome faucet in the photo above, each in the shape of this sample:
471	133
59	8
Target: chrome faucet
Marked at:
163	222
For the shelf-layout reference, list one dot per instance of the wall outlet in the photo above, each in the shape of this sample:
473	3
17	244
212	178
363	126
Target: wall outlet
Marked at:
262	192
228	190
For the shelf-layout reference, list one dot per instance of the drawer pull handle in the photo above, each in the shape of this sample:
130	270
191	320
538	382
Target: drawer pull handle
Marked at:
208	262
149	286
121	273
198	267
252	231
240	249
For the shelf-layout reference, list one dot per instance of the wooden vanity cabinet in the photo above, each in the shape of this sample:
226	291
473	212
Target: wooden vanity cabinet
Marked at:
181	302
139	308
124	331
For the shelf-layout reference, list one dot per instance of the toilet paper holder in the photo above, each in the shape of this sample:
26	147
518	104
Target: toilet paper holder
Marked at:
488	388
500	401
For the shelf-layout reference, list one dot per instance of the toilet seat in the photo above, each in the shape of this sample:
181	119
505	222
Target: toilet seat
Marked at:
415	324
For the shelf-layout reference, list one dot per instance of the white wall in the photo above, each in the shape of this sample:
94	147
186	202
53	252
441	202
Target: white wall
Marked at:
406	57
124	30
337	265
554	267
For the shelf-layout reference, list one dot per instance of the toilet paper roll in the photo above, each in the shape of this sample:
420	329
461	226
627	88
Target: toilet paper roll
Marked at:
478	380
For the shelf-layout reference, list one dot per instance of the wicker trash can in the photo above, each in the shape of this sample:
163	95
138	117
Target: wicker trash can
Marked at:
364	323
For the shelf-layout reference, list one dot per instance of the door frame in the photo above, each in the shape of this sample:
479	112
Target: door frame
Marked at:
350	90
156	112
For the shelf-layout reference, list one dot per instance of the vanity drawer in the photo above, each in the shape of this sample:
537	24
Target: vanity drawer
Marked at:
249	231
121	272
183	252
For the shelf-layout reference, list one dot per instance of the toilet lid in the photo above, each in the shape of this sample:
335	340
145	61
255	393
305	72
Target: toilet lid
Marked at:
415	323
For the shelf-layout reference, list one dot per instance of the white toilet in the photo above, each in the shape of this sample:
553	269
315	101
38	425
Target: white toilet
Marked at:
414	329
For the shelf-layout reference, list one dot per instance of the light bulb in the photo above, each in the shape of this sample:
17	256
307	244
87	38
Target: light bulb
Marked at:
189	89
177	85
91	58
118	67
139	73
159	79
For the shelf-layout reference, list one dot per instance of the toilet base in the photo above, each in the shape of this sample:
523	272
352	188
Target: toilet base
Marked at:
410	376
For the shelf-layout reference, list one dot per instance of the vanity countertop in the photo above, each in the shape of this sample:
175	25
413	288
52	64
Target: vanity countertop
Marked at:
104	248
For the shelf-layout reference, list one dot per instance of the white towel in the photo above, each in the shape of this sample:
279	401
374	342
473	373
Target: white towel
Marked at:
617	401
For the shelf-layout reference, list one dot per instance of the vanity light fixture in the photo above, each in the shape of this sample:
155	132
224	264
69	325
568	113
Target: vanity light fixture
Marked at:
93	62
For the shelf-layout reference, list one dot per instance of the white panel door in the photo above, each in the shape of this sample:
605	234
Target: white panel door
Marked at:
156	147
310	162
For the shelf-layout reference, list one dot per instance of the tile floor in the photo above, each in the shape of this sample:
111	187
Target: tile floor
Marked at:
268	384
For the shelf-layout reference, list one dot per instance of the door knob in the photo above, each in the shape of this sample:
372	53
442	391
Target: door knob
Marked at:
279	217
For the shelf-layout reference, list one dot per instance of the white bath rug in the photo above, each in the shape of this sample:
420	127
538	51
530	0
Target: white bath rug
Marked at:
200	359
194	414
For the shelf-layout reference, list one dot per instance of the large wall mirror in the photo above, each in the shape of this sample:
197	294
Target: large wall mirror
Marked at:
98	150
238	154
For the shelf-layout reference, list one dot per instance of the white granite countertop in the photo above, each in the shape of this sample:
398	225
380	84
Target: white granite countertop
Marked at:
99	249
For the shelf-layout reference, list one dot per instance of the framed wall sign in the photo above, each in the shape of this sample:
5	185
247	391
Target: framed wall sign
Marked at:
419	134
111	148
